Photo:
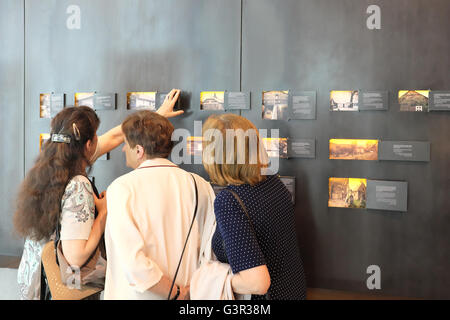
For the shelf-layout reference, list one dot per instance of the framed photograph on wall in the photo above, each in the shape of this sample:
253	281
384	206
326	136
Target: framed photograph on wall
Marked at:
353	149
414	100
347	192
212	100
344	100
141	100
275	105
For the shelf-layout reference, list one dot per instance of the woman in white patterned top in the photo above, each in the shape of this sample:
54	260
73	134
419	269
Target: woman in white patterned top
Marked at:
56	191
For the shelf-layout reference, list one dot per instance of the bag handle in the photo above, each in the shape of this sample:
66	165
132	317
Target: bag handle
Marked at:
244	208
187	237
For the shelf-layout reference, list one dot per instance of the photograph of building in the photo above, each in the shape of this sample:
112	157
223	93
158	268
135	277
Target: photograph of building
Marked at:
44	105
413	100
347	192
275	105
344	101
276	147
141	100
353	149
212	100
84	99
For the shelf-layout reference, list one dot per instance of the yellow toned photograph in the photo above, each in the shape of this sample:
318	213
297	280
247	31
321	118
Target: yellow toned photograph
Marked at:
84	99
347	192
141	100
353	149
413	100
43	137
344	100
212	100
276	147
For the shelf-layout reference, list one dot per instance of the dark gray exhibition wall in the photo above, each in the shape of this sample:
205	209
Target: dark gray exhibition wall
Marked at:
256	45
325	45
11	119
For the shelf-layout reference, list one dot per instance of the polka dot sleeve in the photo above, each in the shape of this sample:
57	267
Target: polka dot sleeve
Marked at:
241	245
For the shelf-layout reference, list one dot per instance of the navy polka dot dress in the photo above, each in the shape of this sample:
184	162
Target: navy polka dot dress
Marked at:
269	205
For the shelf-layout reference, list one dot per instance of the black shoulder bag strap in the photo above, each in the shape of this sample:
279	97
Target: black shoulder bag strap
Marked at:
244	208
187	237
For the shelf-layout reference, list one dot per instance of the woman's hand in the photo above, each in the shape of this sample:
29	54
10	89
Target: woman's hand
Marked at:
184	293
100	204
166	110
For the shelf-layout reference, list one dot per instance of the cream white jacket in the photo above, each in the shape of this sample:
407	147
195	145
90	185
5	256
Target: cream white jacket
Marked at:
150	211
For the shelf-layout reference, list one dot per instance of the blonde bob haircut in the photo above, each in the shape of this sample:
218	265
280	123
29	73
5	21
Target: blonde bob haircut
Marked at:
233	152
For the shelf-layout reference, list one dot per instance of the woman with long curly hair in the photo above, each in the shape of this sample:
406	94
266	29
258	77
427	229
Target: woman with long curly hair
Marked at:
57	195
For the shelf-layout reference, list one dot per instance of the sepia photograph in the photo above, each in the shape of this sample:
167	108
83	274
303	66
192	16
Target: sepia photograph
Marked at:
84	99
141	100
347	192
45	105
413	100
275	105
212	100
276	147
344	100
194	146
353	149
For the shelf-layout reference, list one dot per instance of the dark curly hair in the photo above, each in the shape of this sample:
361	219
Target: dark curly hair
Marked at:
151	131
39	199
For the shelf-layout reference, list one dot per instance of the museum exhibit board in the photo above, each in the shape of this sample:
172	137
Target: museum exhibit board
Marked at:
50	104
224	100
439	101
252	46
96	100
363	149
357	193
150	100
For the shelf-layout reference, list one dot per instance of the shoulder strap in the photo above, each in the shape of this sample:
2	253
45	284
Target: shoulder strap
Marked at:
187	237
267	295
244	208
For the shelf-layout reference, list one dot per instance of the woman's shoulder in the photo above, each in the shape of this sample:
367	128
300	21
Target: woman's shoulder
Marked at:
224	199
78	184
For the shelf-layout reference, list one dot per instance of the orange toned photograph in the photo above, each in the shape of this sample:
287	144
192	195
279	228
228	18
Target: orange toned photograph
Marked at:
347	192
276	147
43	137
84	99
353	149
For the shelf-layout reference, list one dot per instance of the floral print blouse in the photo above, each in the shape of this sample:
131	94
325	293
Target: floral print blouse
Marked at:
77	218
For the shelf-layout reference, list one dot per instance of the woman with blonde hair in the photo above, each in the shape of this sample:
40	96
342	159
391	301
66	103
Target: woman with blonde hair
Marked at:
255	231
